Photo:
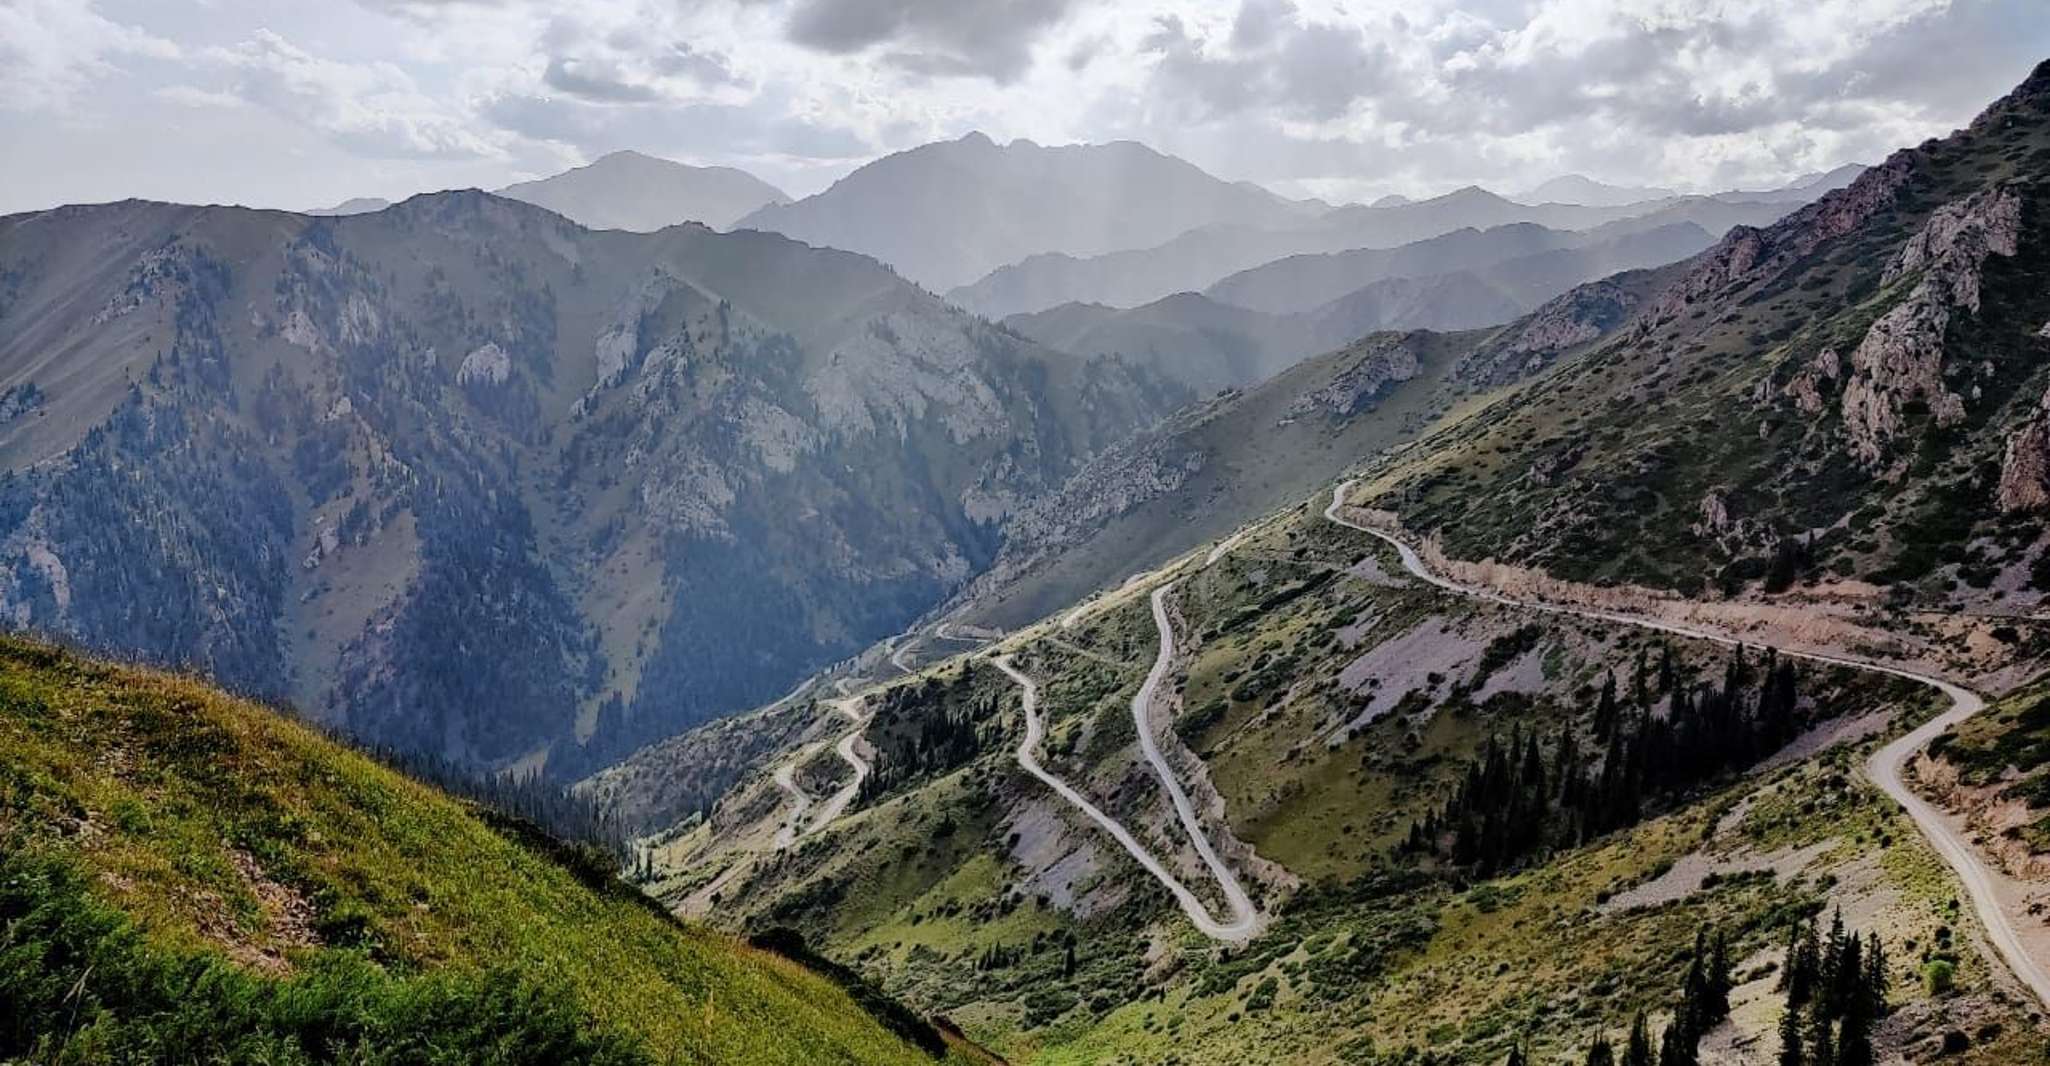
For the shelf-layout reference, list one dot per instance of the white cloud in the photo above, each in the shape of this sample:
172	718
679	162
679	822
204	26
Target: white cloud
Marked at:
51	49
1343	97
373	108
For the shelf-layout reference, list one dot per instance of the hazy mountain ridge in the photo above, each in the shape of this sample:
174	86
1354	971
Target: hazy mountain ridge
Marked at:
1216	340
947	213
631	191
647	478
1201	258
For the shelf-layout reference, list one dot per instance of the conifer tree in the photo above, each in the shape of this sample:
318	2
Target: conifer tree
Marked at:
1676	1047
1601	1052
1821	1038
1637	1050
1791	1051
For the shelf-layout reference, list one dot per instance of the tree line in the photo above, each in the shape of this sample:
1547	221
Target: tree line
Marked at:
1522	797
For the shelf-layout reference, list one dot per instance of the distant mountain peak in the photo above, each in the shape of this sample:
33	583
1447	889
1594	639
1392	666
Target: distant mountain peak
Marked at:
1589	192
632	190
949	212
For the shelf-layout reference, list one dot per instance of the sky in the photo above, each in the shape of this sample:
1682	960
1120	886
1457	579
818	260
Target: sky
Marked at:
303	104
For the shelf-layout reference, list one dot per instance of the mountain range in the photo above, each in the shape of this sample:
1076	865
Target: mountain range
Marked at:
1548	692
1258	322
631	191
1200	258
647	478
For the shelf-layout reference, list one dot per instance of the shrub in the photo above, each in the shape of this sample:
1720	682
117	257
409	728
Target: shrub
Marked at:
1938	976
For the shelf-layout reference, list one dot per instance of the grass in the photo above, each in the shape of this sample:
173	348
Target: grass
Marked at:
192	840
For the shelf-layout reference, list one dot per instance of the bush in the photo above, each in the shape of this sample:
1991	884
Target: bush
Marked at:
1938	976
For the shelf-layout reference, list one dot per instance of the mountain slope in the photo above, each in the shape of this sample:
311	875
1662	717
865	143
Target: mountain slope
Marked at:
947	213
358	205
1852	392
188	876
631	191
648	478
1219	464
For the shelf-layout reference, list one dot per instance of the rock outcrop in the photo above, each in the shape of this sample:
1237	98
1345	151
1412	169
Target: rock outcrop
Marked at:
1901	358
1389	361
1807	387
2025	468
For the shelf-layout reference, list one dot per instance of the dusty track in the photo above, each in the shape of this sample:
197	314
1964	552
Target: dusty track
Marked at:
1883	767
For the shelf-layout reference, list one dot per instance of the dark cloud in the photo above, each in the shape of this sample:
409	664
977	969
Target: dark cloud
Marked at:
991	39
597	81
632	78
1275	62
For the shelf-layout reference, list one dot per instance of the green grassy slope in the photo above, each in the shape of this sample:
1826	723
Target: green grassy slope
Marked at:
186	876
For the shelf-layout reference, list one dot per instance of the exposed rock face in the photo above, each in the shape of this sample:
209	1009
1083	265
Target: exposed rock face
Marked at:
2025	469
1902	355
1807	386
1957	239
1362	384
488	364
1545	470
1715	513
1122	477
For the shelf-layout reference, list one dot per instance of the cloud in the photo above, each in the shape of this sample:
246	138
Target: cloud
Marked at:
374	109
991	39
1272	60
759	128
1338	97
51	49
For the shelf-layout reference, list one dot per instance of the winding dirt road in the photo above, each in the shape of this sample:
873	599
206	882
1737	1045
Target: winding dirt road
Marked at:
1245	917
1240	927
801	802
1883	767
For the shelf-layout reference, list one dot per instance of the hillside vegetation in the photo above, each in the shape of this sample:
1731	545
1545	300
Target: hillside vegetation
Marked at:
185	876
1470	827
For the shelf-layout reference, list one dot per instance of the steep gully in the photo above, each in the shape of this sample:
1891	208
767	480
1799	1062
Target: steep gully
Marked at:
1884	767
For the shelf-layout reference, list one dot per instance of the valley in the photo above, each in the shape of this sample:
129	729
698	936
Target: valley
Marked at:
1041	534
1229	768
